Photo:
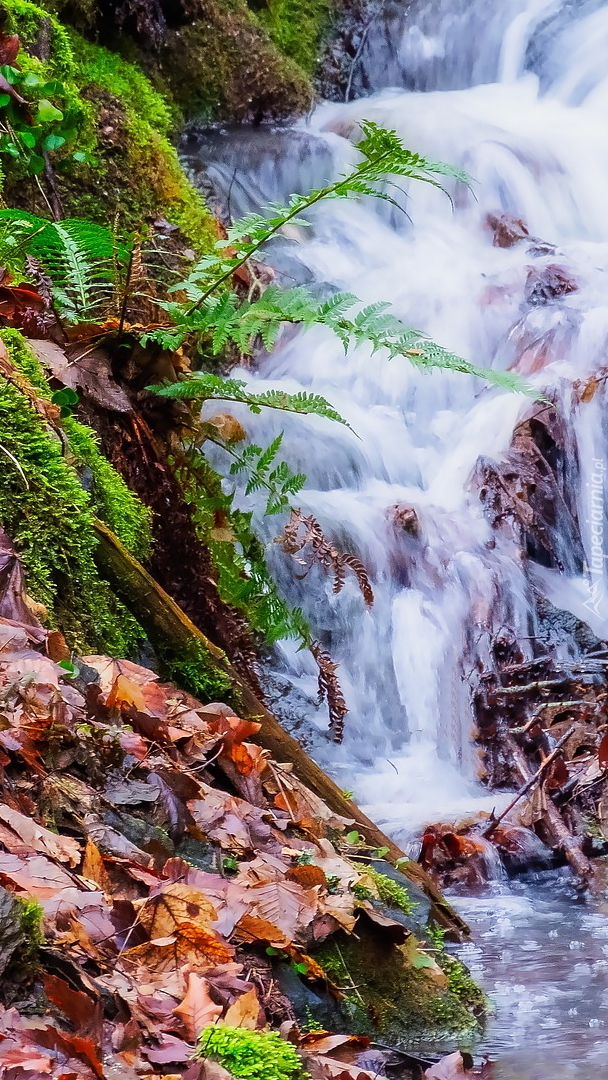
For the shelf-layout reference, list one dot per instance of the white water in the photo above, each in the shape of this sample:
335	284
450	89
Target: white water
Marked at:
536	146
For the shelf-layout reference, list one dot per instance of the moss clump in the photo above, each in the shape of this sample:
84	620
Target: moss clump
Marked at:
462	985
390	892
221	64
110	497
123	126
251	1055
50	519
115	504
391	998
297	28
196	670
31	916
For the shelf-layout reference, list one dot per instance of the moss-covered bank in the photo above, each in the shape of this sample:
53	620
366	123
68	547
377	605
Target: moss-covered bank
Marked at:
50	517
122	127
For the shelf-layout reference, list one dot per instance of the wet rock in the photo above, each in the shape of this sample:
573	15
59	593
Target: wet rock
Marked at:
508	230
556	626
405	518
526	495
547	283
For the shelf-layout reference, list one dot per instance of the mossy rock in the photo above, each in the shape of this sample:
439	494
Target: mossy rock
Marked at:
392	999
220	59
50	517
132	174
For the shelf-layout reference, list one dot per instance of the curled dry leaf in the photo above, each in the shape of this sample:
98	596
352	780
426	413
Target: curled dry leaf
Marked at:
453	1067
197	1010
63	848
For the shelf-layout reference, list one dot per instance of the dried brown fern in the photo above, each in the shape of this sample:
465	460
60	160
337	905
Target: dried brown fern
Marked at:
304	532
330	691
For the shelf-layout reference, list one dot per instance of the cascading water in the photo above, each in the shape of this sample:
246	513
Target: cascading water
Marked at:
516	95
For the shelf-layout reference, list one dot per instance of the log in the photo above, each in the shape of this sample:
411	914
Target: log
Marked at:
165	622
560	835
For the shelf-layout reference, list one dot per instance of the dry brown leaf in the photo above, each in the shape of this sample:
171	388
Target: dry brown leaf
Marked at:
245	1012
93	867
227	427
251	928
452	1067
197	1010
176	904
127	694
307	876
286	905
63	848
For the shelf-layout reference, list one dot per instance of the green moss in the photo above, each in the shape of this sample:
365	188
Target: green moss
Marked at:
462	985
224	65
390	998
110	497
390	892
196	671
50	519
31	917
297	28
33	22
124	125
115	504
251	1055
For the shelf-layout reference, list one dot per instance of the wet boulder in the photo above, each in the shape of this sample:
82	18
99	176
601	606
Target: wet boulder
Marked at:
547	283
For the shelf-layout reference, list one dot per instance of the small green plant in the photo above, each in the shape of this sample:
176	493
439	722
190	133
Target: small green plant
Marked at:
251	1055
85	263
30	920
348	794
390	892
37	118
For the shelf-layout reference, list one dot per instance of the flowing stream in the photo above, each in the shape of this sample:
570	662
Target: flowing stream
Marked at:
516	94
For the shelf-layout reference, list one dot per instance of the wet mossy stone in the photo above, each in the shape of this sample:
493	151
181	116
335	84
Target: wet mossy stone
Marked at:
390	999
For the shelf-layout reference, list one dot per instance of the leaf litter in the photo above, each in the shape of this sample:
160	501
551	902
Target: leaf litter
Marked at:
113	788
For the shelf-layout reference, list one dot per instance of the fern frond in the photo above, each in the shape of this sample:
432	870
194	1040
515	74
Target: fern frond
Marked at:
203	386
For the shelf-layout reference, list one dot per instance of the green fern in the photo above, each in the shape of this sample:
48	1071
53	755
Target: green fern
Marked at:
204	386
82	260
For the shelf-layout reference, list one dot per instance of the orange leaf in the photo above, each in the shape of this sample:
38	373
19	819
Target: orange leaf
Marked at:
125	693
197	1010
306	876
244	1012
602	752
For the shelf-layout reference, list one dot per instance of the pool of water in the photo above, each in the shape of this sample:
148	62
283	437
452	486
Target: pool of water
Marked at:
540	950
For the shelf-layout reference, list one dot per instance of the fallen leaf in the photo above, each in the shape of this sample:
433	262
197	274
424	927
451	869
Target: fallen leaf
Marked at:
63	848
451	1067
245	1012
197	1010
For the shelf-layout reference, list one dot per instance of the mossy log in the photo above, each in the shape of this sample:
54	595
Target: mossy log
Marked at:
165	622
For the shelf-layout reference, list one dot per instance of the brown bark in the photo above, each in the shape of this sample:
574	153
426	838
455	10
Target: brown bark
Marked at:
164	620
556	829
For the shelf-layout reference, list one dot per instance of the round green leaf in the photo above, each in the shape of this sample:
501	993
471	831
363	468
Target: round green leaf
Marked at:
66	396
53	142
31	80
4	100
53	87
27	138
47	112
36	164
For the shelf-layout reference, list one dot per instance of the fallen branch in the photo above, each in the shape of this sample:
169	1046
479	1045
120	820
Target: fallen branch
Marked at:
558	834
529	784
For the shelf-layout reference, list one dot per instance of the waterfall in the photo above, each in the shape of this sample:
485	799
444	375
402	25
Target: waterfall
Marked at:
516	95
